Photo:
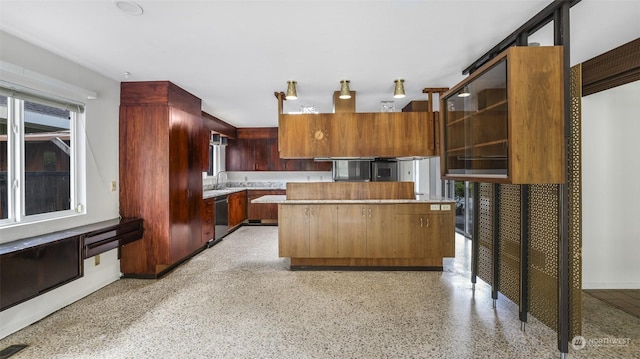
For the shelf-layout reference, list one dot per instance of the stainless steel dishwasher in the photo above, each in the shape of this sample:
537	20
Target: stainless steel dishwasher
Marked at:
221	215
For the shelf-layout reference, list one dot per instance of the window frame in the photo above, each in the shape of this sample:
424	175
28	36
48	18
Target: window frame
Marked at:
16	156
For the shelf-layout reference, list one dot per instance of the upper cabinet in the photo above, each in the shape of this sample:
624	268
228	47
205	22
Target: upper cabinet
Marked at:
505	122
256	149
384	134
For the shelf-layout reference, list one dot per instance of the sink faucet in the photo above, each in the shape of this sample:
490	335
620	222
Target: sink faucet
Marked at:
218	178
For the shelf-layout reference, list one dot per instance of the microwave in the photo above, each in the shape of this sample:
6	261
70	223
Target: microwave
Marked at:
384	171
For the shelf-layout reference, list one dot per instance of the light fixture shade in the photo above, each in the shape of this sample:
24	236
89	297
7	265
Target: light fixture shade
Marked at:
464	92
345	92
398	92
292	94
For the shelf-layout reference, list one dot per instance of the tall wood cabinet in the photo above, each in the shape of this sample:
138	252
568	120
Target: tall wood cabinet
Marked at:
161	162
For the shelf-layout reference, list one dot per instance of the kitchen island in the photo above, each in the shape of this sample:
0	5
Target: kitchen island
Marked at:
365	230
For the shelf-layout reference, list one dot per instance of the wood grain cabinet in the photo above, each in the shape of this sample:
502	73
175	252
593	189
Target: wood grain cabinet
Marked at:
367	234
256	149
307	231
206	214
505	123
265	212
161	162
237	208
363	230
423	232
386	134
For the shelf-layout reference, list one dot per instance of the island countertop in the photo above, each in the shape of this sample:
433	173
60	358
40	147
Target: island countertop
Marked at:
283	199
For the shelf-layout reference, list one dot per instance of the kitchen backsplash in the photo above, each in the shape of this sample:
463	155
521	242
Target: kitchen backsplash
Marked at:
266	179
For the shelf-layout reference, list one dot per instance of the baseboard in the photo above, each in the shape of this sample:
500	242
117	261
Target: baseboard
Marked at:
626	285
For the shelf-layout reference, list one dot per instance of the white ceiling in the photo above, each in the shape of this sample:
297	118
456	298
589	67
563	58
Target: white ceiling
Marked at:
235	54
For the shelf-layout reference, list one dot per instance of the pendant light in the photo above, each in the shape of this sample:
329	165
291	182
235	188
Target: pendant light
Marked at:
398	91
345	92
464	92
292	94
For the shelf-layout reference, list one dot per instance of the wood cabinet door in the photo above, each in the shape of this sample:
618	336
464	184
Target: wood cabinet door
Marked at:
380	236
180	212
322	231
440	239
295	140
351	231
237	207
239	155
352	135
410	235
293	231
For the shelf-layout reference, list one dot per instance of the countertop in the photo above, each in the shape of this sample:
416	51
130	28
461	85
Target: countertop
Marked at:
229	190
283	199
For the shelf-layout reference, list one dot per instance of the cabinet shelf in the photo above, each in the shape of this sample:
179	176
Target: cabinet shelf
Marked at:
500	106
489	139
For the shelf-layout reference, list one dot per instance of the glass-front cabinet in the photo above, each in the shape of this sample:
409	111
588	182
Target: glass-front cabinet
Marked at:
476	126
504	123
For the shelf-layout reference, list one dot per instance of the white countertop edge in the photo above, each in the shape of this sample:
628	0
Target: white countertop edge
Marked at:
283	199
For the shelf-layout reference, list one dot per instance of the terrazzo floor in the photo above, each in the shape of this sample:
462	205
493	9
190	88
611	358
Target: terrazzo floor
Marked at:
239	300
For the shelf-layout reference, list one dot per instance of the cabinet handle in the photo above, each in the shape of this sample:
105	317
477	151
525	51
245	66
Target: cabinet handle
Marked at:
420	221
369	212
311	212
427	222
363	214
306	212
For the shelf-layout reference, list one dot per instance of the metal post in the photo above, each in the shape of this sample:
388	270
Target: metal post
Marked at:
524	255
496	243
561	37
475	250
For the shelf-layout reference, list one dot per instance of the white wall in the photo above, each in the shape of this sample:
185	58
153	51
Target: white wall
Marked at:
101	168
610	192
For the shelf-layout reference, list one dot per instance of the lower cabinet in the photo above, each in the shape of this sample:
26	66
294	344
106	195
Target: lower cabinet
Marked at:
372	231
423	232
293	231
362	230
29	272
266	212
307	231
206	213
237	206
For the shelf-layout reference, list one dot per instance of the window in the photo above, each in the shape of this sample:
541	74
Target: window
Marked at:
38	153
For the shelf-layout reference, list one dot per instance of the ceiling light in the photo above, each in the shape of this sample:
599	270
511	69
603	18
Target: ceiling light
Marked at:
345	93
464	92
398	92
292	94
129	7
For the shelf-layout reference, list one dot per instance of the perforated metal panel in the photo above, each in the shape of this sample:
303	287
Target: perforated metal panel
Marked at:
544	240
485	232
509	283
575	204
